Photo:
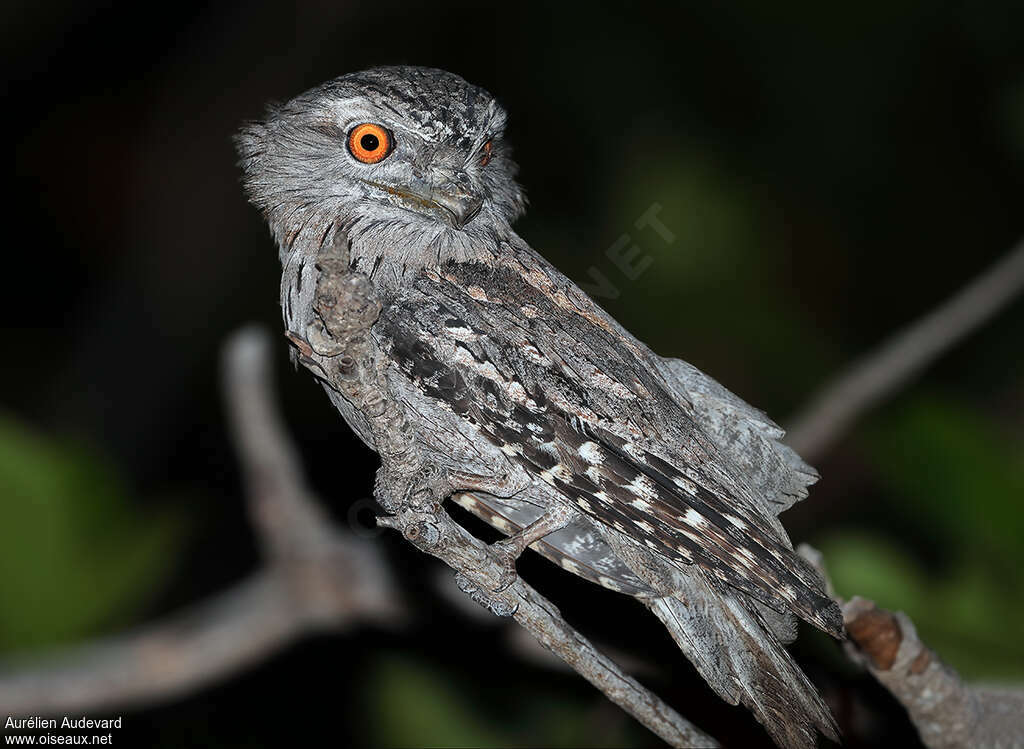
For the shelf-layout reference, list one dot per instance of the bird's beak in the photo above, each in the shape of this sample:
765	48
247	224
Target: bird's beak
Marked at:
449	194
457	206
448	199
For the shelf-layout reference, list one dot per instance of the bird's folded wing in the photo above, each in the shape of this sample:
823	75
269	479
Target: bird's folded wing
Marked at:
746	434
579	406
734	650
577	548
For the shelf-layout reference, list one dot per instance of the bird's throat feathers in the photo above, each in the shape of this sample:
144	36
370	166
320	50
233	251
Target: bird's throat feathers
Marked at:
390	250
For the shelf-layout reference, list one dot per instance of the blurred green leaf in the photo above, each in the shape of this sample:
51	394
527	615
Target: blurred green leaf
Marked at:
956	474
412	704
957	479
971	617
74	554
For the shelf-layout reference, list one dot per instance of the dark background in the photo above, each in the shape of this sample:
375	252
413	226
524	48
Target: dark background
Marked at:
829	172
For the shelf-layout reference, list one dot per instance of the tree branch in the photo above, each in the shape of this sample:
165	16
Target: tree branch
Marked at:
947	713
316	577
881	372
160	662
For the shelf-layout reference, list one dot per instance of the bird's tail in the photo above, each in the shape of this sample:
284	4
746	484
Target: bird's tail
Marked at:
736	651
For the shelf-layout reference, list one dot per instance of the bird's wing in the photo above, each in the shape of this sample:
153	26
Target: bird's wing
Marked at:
746	434
544	375
734	650
577	548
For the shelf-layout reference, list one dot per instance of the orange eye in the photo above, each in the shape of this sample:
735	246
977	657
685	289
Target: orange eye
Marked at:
485	153
369	143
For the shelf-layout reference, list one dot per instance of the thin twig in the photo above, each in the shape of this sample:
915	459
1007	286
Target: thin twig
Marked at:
480	575
881	372
316	578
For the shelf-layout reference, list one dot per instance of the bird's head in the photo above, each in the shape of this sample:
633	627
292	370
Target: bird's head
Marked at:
393	146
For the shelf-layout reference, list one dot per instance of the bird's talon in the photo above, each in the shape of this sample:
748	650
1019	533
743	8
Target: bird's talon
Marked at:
507	553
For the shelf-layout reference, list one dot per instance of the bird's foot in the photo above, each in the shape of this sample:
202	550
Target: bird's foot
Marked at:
509	550
496	605
345	303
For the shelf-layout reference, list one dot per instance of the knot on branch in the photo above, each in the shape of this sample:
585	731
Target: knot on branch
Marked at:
422	532
876	633
419	528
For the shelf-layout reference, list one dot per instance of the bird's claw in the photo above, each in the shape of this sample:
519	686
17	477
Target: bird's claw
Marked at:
507	551
496	606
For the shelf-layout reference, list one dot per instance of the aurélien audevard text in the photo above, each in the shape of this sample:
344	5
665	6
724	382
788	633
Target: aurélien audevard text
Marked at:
37	722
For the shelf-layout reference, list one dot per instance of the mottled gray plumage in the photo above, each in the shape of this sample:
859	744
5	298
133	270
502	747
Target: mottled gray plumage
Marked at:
641	473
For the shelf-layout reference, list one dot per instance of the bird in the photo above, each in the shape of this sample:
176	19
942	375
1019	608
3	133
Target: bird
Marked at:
556	426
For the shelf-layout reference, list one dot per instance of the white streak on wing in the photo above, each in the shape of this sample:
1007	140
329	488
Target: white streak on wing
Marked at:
489	371
685	484
465	335
501	524
642	486
746	558
468	501
691	535
645	526
464	358
592	453
559	471
631	449
570	565
518	394
684	553
738	522
694	518
576	546
565	405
